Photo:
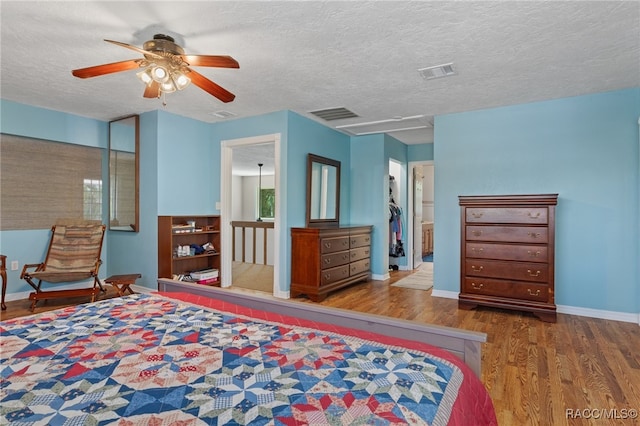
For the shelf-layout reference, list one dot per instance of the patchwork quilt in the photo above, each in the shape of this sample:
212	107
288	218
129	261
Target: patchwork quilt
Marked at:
152	360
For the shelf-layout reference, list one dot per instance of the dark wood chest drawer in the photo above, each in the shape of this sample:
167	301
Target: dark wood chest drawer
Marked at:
334	244
362	240
360	253
506	288
532	215
359	267
515	234
329	276
507	252
522	271
526	253
335	259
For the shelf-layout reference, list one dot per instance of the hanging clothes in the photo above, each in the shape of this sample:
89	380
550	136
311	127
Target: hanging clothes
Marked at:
395	230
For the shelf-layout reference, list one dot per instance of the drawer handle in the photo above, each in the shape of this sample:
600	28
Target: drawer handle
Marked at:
480	250
475	268
477	215
327	245
537	293
531	274
477	287
534	253
354	254
533	234
327	261
476	233
327	277
534	215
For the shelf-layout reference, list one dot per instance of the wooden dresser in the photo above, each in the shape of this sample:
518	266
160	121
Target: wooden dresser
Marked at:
507	253
327	259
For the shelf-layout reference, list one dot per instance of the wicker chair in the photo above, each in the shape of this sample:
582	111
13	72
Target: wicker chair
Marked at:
73	255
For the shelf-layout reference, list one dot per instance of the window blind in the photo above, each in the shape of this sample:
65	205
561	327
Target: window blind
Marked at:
42	181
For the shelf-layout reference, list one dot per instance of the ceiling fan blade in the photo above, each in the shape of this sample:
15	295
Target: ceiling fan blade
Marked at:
209	86
211	61
137	49
152	90
106	68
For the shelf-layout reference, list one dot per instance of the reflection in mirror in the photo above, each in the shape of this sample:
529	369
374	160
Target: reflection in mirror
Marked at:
123	174
323	192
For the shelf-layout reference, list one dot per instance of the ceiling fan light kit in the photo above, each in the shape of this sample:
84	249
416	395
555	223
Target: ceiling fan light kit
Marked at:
166	68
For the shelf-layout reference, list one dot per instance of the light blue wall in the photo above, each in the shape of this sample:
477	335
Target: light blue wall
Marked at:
583	148
307	136
370	155
420	152
299	136
30	246
370	196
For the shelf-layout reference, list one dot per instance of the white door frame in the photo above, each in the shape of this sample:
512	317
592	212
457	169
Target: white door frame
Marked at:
226	177
412	165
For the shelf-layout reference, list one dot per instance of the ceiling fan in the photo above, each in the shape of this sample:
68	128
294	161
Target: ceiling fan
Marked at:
166	68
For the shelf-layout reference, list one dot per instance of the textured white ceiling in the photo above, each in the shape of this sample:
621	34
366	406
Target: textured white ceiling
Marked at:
311	55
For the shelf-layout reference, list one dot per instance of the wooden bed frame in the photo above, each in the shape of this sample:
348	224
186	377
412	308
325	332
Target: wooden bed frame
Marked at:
464	344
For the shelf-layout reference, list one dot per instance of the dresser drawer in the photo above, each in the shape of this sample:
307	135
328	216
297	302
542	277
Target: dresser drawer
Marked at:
328	276
359	267
532	215
361	240
521	271
515	234
525	253
334	259
334	244
505	288
360	253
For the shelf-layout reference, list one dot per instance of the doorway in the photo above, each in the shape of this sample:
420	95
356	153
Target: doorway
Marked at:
421	204
234	153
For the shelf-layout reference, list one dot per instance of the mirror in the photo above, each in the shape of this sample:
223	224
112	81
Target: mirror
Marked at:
124	141
323	192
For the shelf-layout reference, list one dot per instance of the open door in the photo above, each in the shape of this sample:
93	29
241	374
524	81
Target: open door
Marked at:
417	215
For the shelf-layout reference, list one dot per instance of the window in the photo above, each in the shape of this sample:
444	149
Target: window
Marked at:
93	199
42	181
267	203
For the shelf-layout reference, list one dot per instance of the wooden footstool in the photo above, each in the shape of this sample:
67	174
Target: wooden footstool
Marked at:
122	282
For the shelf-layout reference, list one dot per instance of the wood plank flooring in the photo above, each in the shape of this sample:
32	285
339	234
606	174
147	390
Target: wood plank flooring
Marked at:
534	371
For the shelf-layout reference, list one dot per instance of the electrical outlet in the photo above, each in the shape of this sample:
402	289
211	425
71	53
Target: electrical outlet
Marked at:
14	265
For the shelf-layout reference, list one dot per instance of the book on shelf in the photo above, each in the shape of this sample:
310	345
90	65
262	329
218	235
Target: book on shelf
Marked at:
204	274
208	281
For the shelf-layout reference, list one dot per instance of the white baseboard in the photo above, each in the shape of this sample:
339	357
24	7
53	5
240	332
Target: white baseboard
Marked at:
445	293
599	313
379	277
564	309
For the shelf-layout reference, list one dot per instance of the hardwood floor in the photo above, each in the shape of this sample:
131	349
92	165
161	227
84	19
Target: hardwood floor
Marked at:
534	371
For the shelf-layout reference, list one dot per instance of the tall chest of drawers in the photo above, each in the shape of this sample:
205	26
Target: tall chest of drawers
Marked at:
507	253
327	259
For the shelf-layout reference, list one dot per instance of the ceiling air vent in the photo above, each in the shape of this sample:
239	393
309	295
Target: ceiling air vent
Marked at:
438	71
331	114
223	114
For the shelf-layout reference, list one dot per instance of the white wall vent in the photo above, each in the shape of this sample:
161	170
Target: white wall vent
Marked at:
223	114
438	71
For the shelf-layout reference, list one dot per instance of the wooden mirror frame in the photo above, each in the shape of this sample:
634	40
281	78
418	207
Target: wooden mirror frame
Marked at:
132	196
317	222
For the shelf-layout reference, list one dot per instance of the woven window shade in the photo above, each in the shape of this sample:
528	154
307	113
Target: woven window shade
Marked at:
42	181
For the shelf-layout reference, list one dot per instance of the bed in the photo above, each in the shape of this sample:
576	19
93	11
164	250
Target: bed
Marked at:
177	358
